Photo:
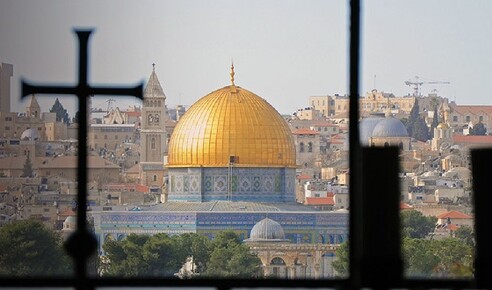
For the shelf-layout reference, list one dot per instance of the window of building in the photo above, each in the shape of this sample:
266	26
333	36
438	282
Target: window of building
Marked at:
480	118
310	147
467	118
155	178
152	143
455	118
301	147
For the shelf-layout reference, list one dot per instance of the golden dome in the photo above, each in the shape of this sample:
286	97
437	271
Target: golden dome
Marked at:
228	122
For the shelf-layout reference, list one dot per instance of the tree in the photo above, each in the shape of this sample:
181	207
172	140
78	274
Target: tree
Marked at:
126	257
198	248
416	126
163	255
76	118
465	233
420	131
28	248
416	225
478	129
27	170
341	263
418	258
61	112
231	258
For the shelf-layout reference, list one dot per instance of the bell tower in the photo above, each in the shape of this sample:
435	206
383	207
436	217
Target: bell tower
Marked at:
153	137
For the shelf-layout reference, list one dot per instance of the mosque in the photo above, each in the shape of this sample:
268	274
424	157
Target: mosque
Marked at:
231	166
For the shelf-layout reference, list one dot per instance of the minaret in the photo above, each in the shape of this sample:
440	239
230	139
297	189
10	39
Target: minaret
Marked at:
153	136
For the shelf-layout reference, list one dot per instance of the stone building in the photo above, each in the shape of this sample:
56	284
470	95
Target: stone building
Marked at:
49	129
307	143
153	136
285	260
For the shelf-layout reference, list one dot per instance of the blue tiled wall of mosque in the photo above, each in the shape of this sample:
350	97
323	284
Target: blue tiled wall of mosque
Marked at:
299	227
243	184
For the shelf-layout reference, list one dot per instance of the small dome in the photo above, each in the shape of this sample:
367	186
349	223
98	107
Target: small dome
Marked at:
30	134
390	127
70	223
366	127
267	230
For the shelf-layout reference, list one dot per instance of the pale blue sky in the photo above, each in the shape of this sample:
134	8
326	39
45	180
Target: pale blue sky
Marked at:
283	50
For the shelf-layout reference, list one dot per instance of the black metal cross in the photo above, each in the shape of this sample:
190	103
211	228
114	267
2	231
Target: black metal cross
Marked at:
81	244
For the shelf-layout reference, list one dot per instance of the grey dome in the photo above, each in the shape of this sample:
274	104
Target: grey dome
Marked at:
390	127
267	230
366	127
30	134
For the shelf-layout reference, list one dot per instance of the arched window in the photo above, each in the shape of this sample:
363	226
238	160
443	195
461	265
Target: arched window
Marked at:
386	144
277	261
301	147
310	147
155	178
400	145
152	143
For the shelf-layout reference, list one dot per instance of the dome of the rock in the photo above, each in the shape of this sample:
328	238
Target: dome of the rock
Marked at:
232	121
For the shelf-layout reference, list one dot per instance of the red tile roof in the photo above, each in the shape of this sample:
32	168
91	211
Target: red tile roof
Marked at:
141	188
405	206
454	214
471	139
304	176
474	109
319	200
304	131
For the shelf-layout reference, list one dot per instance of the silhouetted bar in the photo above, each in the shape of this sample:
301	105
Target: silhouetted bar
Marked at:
482	199
354	147
381	261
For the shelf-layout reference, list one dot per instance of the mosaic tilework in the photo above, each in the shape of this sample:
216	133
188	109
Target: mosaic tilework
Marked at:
247	184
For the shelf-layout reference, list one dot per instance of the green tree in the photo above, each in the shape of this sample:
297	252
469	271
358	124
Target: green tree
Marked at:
125	258
455	258
61	112
341	263
231	258
28	248
416	225
198	248
418	258
27	170
163	255
465	233
478	129
416	126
